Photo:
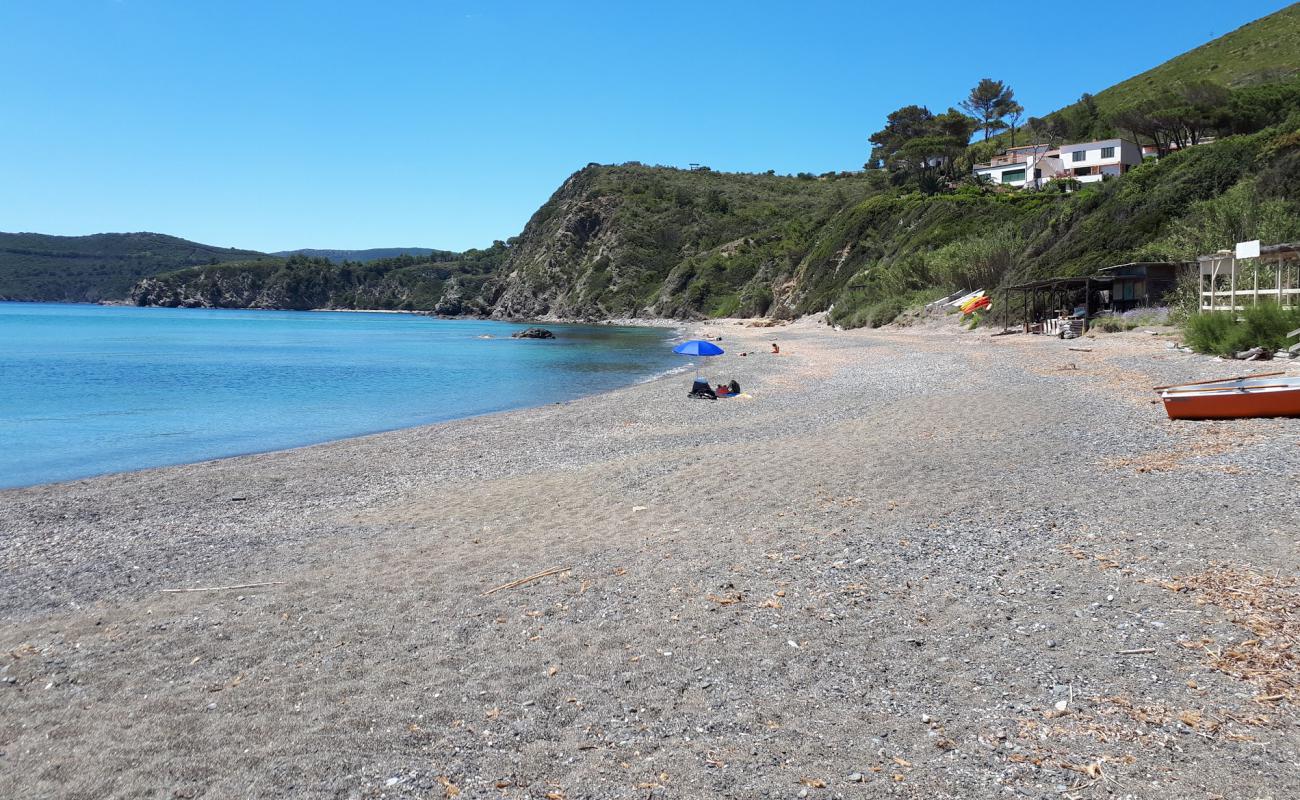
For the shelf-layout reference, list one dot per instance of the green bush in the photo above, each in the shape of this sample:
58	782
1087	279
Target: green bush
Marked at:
1222	333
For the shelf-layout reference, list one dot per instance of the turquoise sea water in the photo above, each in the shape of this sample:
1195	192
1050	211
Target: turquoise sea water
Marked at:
87	390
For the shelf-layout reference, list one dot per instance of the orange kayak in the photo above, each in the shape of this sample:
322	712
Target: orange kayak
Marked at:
1275	395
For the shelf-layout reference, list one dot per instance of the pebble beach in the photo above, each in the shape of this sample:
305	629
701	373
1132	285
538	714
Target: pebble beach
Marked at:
914	563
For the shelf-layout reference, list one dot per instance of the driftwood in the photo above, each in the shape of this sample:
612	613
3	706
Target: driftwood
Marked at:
1080	349
223	588
1137	651
521	581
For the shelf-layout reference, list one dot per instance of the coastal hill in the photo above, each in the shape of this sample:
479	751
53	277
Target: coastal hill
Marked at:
446	283
103	266
363	256
1261	52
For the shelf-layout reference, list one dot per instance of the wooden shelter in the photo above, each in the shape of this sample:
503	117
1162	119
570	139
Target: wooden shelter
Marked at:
1050	304
1228	283
1142	283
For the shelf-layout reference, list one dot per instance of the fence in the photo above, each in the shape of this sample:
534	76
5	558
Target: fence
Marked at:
1228	283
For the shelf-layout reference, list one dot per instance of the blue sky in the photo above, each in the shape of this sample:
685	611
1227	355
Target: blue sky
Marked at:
274	125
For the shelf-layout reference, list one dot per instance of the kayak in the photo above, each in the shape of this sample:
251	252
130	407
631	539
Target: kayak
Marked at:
1270	395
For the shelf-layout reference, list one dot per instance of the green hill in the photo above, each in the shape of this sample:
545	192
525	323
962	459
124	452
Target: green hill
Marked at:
35	266
1264	51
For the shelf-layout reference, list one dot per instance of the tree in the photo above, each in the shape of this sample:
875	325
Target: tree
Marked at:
901	126
915	142
1013	111
988	102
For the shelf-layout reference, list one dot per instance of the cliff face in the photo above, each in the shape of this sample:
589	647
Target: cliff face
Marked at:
562	263
634	241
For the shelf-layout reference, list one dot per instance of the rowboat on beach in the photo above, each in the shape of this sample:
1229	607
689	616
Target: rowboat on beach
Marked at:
1273	394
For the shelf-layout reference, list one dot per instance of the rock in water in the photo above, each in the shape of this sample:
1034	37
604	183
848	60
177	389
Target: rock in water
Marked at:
533	333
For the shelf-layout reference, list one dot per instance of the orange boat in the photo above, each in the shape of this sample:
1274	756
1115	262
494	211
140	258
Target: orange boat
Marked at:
1273	394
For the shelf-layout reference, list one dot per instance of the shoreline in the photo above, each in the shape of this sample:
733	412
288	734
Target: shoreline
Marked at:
896	549
646	376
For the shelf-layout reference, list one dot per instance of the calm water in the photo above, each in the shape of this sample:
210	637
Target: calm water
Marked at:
86	390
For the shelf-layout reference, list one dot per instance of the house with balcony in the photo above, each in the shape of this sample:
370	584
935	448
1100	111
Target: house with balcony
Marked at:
1033	165
1028	165
1090	162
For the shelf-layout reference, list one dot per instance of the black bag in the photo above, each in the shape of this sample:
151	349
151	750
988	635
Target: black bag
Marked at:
702	390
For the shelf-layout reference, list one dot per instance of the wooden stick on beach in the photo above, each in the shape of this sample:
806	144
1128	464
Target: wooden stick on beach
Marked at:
529	579
1220	380
223	588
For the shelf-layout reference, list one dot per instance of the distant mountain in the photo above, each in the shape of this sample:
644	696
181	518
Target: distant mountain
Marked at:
103	266
363	256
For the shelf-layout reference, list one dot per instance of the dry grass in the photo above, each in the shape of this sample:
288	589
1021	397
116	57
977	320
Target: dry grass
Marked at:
1266	605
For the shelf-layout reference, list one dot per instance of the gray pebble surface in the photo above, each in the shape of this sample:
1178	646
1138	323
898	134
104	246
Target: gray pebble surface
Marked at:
879	574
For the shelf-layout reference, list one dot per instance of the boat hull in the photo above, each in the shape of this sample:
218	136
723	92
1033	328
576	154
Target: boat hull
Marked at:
1233	404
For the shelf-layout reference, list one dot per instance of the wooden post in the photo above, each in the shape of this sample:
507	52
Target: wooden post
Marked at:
1278	270
1232	285
1087	302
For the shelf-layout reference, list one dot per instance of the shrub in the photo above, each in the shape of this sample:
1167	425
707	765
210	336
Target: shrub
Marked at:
1222	333
1112	324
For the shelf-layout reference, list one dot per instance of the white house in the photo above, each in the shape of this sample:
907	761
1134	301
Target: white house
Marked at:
1027	165
1090	162
1033	165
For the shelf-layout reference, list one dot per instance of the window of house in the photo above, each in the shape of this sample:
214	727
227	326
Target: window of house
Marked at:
1107	152
1038	173
1011	175
1083	170
1079	155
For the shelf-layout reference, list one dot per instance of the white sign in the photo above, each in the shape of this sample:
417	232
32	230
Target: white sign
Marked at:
1248	249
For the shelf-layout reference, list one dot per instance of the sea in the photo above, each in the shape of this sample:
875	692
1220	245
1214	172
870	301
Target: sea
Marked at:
88	390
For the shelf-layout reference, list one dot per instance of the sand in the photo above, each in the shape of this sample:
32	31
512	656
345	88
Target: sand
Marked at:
916	563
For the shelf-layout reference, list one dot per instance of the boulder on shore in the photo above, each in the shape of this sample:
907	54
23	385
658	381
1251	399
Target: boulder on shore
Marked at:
533	333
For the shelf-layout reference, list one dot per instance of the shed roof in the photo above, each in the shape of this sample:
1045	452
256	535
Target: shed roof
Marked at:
1147	264
1067	281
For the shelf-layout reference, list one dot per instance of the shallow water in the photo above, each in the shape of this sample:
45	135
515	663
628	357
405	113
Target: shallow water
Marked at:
87	390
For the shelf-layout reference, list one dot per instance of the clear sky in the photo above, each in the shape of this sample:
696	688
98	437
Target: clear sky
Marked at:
271	124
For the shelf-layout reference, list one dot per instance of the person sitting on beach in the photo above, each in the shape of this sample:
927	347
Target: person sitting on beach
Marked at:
776	351
734	387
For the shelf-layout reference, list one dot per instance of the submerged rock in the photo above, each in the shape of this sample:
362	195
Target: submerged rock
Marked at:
533	333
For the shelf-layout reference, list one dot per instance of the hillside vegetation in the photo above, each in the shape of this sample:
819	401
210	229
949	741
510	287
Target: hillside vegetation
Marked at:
35	266
363	256
448	283
1264	51
638	241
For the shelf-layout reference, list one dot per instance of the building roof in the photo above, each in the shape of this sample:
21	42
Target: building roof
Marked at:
1097	143
1067	281
1002	166
1147	264
1288	250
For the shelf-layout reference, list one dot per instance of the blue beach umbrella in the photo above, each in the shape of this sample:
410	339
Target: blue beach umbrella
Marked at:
697	347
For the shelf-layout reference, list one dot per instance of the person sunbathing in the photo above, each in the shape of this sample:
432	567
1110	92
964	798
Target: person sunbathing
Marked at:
776	351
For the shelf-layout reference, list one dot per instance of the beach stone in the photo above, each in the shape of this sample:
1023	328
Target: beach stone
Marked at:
533	333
